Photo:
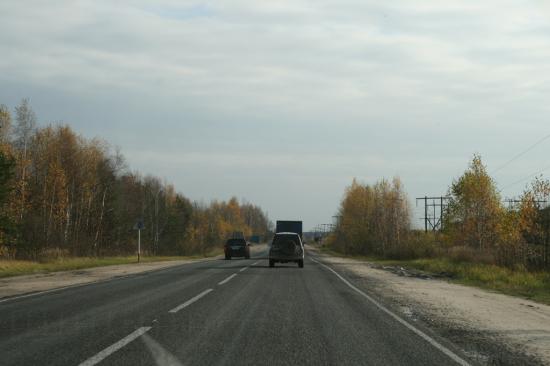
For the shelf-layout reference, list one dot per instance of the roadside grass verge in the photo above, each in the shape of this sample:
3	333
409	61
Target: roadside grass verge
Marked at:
530	285
10	268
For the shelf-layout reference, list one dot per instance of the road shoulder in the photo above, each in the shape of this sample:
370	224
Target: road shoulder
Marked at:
493	328
11	287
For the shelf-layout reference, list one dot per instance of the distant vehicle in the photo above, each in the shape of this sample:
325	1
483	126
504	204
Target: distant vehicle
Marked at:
236	248
255	239
289	227
237	235
286	247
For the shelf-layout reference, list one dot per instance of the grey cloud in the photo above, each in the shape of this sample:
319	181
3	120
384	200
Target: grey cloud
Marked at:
347	87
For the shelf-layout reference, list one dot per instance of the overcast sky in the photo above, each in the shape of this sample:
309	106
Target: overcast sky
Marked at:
283	103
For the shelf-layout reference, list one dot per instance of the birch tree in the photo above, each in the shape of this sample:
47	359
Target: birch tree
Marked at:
5	124
25	125
475	209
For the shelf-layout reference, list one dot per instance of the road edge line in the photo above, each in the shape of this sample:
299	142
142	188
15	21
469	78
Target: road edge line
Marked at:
103	280
411	327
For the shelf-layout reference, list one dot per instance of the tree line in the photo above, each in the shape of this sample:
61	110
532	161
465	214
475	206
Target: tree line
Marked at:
373	219
477	225
63	194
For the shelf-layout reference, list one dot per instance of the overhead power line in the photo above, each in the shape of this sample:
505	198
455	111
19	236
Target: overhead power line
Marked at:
524	179
521	153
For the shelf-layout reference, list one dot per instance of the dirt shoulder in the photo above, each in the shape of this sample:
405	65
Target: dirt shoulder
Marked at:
28	284
21	285
517	329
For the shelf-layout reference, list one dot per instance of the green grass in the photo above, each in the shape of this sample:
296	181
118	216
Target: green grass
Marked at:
10	268
530	285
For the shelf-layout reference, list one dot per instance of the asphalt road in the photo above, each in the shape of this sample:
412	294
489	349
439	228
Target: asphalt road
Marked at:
238	312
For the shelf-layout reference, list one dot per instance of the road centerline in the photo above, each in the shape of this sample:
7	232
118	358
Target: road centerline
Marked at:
94	360
453	356
227	279
190	301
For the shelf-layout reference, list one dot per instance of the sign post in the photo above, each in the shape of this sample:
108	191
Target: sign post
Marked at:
139	226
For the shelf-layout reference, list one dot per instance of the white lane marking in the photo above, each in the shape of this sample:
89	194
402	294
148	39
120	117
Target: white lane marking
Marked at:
255	263
227	279
189	302
115	347
415	330
243	269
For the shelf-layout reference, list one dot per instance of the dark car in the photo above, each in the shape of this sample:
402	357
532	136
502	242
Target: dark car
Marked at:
286	247
237	248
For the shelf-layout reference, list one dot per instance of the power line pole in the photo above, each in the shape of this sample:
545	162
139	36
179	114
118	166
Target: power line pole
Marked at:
513	202
434	223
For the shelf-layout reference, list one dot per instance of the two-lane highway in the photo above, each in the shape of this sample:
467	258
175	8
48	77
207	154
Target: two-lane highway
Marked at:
215	312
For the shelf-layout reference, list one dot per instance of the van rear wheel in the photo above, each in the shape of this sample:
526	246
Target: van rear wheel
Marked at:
301	263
